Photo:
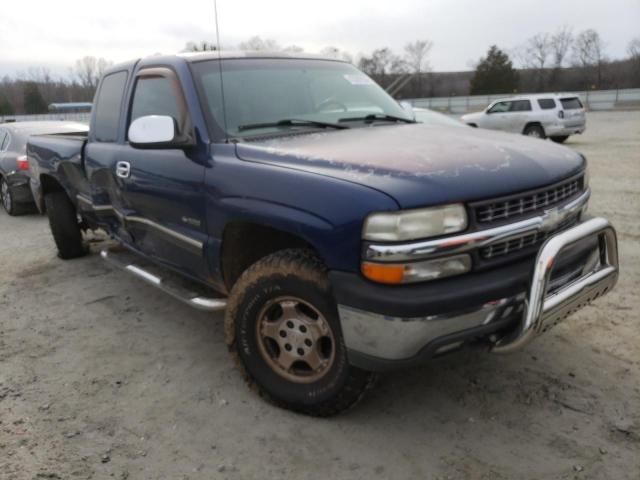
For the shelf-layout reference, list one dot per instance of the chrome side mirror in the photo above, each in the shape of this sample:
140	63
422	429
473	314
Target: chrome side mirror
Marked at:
155	131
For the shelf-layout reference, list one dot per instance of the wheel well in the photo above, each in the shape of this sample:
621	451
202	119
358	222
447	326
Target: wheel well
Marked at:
244	243
472	125
532	124
48	184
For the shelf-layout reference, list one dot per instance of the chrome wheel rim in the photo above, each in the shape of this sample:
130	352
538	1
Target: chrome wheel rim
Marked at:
6	196
295	340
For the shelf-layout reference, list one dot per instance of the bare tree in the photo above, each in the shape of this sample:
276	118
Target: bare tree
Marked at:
89	70
202	46
536	53
634	49
560	44
588	52
634	55
258	44
416	55
382	62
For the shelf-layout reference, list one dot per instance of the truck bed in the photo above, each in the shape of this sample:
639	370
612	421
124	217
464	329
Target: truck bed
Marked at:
60	156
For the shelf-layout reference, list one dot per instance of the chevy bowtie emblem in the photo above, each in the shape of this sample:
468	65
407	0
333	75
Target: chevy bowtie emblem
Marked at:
551	219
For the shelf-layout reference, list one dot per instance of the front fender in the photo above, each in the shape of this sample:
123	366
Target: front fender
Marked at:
316	231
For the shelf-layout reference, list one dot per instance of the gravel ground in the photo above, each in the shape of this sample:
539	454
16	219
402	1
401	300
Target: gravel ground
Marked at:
102	376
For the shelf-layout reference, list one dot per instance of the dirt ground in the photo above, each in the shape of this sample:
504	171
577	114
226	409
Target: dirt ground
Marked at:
102	376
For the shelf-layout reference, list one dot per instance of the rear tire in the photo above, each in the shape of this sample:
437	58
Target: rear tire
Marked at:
64	224
535	131
8	202
282	329
561	139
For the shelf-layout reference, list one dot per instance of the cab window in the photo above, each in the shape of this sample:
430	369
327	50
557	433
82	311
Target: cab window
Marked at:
154	96
520	106
547	103
107	109
500	107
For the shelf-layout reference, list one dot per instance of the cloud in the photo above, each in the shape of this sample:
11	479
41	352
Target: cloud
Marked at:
55	34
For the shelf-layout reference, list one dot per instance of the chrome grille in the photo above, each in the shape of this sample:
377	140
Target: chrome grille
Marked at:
518	243
519	205
513	245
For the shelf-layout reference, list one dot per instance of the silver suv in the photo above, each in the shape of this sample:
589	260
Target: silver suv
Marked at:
556	116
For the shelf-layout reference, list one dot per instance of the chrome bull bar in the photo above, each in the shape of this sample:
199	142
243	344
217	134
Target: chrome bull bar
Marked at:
543	311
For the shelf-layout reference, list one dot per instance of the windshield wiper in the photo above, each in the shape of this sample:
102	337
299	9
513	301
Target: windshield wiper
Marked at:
375	117
291	122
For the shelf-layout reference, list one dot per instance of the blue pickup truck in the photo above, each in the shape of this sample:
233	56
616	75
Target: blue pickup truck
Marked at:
340	236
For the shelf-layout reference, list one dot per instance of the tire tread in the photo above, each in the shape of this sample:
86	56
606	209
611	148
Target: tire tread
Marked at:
307	265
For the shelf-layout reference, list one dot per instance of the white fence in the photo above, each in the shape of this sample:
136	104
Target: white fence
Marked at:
593	100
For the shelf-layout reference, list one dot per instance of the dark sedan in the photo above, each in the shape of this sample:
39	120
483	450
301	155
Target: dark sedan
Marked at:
14	167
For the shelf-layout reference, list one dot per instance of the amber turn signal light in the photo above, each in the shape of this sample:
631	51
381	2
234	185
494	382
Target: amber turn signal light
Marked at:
383	272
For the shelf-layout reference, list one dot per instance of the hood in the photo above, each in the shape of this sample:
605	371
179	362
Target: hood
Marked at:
421	165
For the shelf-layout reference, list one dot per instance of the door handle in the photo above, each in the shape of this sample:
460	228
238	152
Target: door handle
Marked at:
123	169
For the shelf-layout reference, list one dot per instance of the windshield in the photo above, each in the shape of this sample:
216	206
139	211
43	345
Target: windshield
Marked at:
572	103
262	96
430	117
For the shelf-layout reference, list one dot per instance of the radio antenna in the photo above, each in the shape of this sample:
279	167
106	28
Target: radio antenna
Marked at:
218	48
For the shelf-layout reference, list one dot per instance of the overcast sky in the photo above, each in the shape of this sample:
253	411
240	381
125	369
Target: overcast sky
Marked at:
54	33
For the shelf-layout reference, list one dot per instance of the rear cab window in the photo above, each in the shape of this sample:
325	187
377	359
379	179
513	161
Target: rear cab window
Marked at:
546	103
520	106
108	107
571	103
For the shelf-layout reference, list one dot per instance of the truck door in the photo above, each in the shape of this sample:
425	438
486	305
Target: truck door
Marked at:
163	188
497	116
518	116
104	143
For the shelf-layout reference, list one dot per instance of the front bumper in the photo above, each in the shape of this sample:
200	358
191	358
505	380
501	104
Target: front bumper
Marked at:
505	309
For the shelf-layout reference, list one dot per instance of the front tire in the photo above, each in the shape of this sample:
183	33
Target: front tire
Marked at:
535	131
64	224
561	139
282	329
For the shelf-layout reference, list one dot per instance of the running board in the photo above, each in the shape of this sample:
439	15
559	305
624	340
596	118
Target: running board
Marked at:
194	295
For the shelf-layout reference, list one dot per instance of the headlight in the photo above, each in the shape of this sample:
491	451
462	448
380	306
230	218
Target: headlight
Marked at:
394	274
415	224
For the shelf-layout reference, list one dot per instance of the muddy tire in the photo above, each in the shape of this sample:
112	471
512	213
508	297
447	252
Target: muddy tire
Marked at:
283	331
561	139
64	224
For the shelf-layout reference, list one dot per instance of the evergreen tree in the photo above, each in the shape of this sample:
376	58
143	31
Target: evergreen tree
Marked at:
33	100
494	74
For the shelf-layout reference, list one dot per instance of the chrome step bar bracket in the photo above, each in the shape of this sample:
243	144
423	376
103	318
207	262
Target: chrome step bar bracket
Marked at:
208	304
544	311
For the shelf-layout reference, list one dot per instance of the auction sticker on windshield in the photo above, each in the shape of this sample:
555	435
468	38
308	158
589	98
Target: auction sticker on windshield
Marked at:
355	79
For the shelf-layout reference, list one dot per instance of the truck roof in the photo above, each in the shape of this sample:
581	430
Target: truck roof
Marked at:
193	57
214	55
538	95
